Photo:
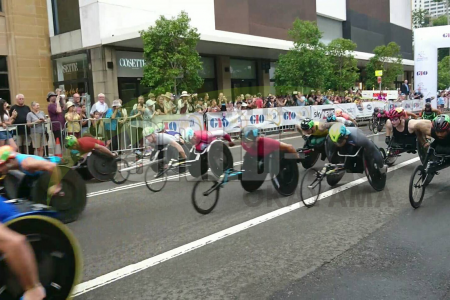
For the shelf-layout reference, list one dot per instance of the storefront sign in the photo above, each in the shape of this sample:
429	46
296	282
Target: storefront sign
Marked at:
130	64
70	68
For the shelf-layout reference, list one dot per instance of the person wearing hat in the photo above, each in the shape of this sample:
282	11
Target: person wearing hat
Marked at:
73	119
36	120
140	117
169	107
151	102
183	103
112	134
56	115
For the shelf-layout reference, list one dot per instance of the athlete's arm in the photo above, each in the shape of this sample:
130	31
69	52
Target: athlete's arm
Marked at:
352	120
104	150
422	130
299	129
179	148
289	149
388	128
21	261
437	112
326	126
412	115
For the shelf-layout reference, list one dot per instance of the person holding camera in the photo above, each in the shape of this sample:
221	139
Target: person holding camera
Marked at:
183	103
36	122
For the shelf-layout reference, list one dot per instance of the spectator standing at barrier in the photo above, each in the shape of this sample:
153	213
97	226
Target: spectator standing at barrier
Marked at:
22	140
441	102
151	101
97	128
258	101
230	106
6	121
56	115
36	121
159	106
140	117
191	104
238	106
113	114
168	104
405	88
101	106
418	94
214	107
85	120
73	120
76	100
183	103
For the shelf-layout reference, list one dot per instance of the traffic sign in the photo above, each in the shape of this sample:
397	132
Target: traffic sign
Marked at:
379	73
379	79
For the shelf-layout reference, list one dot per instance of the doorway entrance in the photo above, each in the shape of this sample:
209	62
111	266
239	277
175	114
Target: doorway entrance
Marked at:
130	89
243	86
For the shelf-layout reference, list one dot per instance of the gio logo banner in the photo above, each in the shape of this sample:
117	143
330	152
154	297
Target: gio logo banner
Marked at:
446	35
257	119
289	115
219	123
170	126
422	73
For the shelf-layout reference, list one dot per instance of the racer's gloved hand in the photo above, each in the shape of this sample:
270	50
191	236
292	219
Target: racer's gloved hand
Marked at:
305	137
387	140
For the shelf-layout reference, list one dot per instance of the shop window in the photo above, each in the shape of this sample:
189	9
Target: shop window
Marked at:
208	70
1	8
4	83
66	15
242	69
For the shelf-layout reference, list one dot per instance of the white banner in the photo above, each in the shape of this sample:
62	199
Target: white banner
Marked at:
389	95
293	115
226	121
180	122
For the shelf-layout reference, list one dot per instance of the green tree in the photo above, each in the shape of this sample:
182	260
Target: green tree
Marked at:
306	64
388	59
444	73
172	62
420	18
344	72
440	21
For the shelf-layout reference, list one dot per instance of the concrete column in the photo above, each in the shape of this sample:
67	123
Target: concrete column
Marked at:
223	77
263	78
102	77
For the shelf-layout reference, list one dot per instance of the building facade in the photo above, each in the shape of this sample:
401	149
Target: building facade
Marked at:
435	9
96	44
25	64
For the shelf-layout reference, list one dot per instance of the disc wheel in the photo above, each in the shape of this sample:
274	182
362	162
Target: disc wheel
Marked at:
84	173
253	177
390	158
205	204
417	185
310	187
220	158
155	178
311	159
286	181
121	177
198	167
57	254
376	179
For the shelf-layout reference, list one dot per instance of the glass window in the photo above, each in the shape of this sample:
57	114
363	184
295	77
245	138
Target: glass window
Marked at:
66	15
4	82
1	9
70	68
208	71
273	66
242	69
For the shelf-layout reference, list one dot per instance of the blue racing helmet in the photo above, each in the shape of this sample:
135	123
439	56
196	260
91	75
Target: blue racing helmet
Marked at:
331	118
250	133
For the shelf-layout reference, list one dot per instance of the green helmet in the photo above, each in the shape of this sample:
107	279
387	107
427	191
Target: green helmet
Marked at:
148	131
71	141
159	127
337	132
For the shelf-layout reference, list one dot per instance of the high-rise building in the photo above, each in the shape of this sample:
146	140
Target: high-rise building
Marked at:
25	65
435	9
97	47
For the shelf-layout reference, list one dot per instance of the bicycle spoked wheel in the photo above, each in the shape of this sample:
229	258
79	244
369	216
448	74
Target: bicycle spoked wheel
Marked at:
121	177
155	177
375	128
310	187
204	204
417	186
370	125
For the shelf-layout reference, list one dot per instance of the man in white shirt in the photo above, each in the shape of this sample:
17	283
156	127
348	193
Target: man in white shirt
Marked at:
99	106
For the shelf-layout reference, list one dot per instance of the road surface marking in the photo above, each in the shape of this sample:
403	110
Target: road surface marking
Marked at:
108	278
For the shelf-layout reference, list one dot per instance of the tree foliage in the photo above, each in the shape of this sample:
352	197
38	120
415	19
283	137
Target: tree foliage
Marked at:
305	65
444	73
172	62
388	59
343	65
420	18
440	21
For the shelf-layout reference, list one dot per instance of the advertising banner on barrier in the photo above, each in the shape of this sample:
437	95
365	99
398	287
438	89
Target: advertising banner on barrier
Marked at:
293	115
180	122
321	112
392	105
226	121
390	95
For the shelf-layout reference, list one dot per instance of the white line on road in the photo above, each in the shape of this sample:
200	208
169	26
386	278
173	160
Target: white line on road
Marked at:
152	261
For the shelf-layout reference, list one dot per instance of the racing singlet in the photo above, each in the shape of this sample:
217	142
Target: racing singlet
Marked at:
21	157
317	132
429	115
404	137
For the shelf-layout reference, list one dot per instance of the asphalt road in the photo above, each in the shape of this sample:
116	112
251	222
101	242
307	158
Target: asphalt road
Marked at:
354	244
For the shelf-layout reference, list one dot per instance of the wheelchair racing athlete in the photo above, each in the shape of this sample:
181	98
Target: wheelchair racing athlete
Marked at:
348	141
87	144
429	113
403	129
332	118
20	257
161	140
439	130
340	114
202	138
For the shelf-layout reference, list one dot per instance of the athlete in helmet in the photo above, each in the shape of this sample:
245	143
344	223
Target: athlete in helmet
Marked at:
349	139
315	131
402	128
340	114
429	113
201	139
332	118
258	146
87	144
161	140
439	130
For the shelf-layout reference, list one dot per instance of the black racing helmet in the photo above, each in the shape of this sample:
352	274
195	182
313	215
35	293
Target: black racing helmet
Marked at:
376	110
307	124
441	123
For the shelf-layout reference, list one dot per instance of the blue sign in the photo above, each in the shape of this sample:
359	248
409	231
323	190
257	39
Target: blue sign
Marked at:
289	115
